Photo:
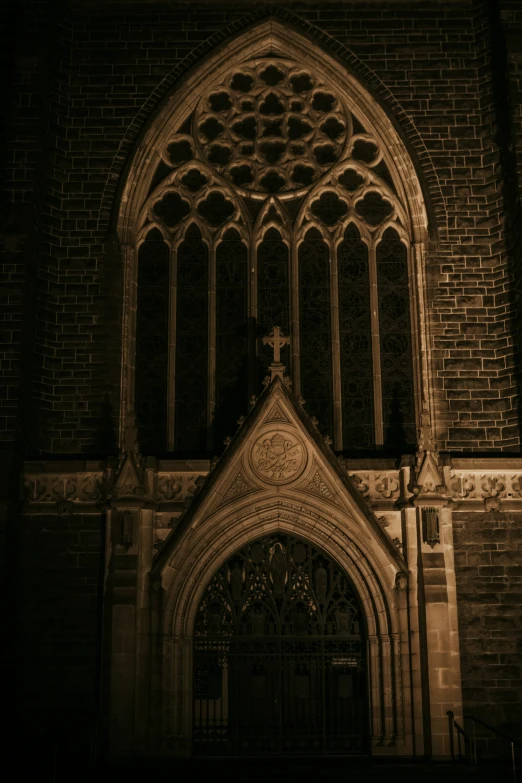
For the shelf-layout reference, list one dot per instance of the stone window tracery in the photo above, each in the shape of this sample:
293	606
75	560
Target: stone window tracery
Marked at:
279	207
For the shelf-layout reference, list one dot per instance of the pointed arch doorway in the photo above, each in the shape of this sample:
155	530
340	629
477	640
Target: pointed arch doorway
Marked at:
279	655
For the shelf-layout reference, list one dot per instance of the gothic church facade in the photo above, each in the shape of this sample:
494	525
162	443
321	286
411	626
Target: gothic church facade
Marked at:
262	368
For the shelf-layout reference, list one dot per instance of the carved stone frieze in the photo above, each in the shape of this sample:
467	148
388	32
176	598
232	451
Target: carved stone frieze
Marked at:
52	488
490	490
278	457
176	487
377	485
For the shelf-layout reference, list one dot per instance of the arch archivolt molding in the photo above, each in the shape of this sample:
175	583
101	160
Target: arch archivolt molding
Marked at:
199	552
202	549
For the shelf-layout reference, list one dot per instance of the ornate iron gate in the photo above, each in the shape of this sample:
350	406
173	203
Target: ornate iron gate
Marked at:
279	665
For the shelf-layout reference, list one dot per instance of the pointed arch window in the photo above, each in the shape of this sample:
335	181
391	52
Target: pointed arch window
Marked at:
274	204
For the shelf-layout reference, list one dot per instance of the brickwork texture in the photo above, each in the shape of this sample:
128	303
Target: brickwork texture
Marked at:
488	563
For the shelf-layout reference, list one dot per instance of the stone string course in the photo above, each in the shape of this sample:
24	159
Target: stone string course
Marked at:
470	486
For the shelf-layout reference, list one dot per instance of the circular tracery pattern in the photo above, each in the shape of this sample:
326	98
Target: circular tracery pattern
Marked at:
271	127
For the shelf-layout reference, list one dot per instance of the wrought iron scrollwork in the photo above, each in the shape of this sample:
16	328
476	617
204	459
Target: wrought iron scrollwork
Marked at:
278	654
279	586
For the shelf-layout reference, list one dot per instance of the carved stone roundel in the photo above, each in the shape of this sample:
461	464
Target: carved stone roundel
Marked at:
278	456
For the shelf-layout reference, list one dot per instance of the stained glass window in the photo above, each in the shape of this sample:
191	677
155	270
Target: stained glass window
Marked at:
315	328
152	341
355	338
273	294
272	198
395	341
231	333
192	343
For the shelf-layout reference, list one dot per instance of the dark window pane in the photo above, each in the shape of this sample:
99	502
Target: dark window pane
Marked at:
231	334
395	333
273	294
355	333
192	344
152	342
315	332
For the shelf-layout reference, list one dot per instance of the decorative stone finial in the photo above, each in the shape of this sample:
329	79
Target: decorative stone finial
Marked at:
129	481
276	340
429	480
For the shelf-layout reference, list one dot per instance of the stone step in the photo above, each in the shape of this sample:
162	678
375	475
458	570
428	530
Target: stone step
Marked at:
261	770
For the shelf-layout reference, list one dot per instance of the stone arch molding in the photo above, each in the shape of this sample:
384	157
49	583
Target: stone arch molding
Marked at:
267	38
182	578
271	38
205	544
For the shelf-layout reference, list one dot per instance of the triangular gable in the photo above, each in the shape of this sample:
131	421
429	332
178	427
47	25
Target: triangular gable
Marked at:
429	478
128	483
279	452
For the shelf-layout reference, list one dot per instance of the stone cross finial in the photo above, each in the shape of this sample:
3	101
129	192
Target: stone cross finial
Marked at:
276	340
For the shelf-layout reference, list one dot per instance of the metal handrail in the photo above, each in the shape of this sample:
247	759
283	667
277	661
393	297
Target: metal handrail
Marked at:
499	733
508	738
460	733
473	741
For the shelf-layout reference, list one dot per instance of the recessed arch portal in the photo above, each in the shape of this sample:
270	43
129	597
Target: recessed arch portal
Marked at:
201	550
266	139
280	659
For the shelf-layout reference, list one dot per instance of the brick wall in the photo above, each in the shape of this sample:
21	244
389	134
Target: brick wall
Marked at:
59	591
511	21
488	561
107	64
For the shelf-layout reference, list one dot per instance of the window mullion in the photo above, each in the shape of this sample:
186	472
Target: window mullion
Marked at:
252	321
376	350
211	399
336	356
171	371
294	318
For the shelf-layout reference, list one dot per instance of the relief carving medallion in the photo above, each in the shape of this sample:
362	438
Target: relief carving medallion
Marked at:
278	456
